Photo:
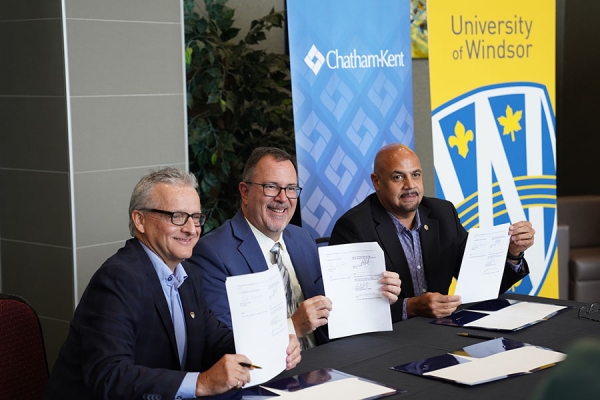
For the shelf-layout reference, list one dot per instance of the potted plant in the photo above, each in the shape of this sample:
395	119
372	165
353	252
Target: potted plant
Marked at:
239	98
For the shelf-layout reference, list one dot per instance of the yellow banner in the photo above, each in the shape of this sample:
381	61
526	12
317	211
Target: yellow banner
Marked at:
492	74
478	43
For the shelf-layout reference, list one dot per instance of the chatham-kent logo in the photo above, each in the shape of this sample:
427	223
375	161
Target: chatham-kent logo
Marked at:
334	60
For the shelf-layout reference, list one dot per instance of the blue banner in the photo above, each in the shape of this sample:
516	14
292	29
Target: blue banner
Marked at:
352	94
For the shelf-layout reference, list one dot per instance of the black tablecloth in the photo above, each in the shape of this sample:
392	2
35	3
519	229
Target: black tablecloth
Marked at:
370	355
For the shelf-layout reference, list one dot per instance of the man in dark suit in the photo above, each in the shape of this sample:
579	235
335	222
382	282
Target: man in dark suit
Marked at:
244	244
143	322
422	237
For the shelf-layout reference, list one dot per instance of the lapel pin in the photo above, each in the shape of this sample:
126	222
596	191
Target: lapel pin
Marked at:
426	227
192	314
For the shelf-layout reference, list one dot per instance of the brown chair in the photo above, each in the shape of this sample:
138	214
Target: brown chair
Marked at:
564	254
23	364
582	215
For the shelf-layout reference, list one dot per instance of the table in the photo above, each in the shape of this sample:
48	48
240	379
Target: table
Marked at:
370	355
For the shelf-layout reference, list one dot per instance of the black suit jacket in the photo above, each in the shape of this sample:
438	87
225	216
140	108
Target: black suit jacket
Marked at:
443	241
121	342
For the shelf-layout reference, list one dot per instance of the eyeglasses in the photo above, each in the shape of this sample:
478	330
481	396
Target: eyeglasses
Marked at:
180	218
591	312
272	190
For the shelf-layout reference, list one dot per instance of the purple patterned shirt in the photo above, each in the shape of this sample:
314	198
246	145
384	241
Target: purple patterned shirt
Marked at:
411	244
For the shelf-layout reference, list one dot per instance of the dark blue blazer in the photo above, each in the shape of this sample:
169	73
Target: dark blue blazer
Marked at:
121	342
443	241
232	249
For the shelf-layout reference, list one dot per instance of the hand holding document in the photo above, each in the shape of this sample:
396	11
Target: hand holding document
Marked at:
351	274
483	263
259	319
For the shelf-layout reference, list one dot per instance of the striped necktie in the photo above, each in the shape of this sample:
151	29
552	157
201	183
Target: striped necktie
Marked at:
292	302
285	276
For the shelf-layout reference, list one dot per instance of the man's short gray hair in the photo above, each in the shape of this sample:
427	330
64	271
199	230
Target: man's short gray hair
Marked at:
142	193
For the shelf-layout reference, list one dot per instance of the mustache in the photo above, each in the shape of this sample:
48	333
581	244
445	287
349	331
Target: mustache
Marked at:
410	193
278	205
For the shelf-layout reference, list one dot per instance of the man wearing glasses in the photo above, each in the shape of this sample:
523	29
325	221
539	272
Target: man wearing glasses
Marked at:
143	322
259	237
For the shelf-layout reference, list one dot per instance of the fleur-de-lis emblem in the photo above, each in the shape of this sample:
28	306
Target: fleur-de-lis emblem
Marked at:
461	139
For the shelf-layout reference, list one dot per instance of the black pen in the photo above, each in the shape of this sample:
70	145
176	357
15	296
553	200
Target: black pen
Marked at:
251	366
476	336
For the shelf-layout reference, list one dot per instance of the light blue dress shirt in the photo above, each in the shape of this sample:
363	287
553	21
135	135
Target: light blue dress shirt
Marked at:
188	385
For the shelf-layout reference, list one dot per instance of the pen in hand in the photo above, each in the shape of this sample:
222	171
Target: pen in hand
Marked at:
476	336
251	366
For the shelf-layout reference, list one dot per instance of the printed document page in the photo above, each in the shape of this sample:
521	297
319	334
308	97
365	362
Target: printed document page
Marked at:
259	318
351	274
483	263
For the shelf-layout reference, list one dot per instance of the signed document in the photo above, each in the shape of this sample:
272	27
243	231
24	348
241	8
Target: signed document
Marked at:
483	263
259	318
351	274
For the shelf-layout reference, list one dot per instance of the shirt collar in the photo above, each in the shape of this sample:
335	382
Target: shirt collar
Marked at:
400	226
163	271
265	242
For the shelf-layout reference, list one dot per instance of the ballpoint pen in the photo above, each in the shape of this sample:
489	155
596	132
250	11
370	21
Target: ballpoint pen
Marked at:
473	335
251	366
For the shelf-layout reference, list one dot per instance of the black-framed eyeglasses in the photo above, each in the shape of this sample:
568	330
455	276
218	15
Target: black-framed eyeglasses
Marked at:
591	311
272	190
180	218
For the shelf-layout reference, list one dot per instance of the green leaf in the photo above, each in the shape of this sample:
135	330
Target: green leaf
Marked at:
188	6
201	26
213	158
200	44
188	55
211	180
225	168
213	98
204	187
229	34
